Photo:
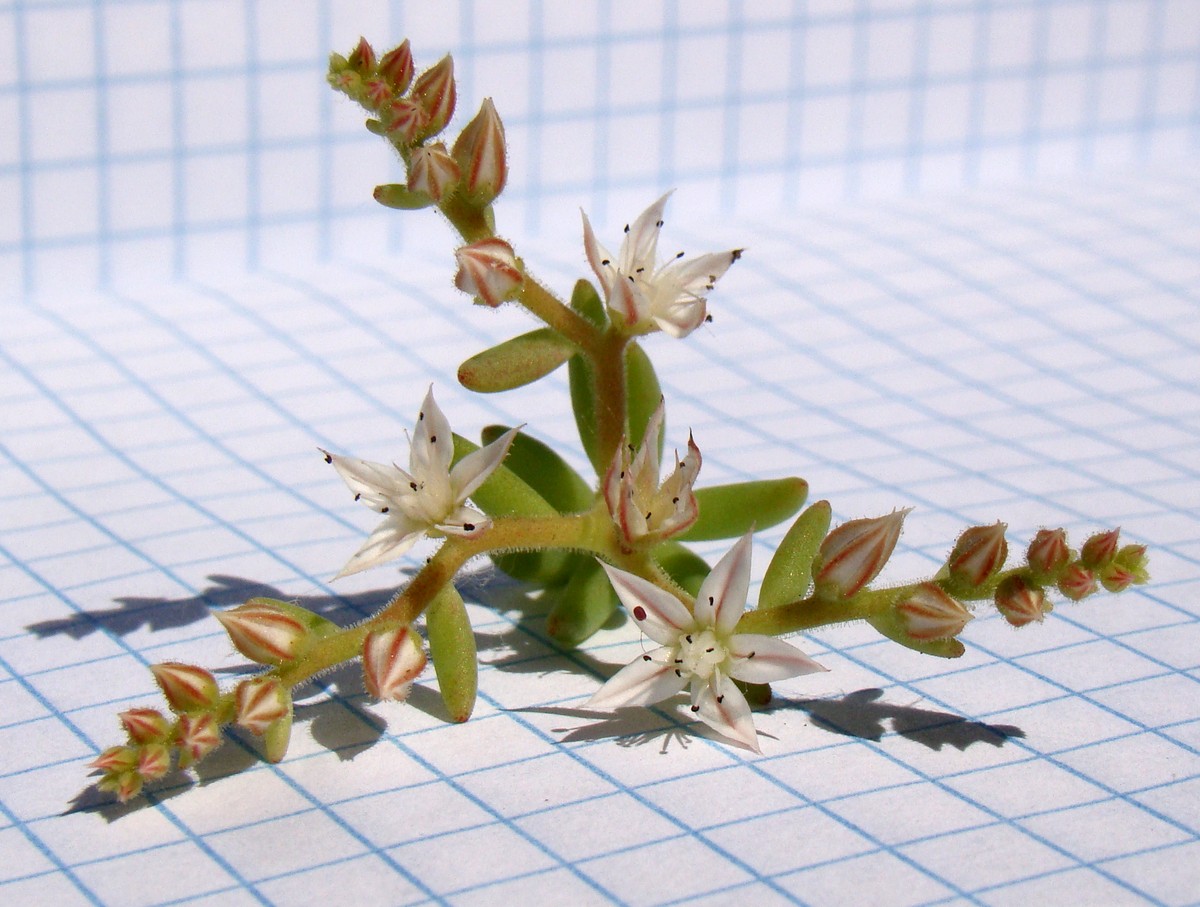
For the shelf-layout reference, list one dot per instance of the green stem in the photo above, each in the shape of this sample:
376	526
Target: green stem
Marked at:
608	362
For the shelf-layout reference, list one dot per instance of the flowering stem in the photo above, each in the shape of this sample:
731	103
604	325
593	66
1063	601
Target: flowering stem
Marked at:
611	398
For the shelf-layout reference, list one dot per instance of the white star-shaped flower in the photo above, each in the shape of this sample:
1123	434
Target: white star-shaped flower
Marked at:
641	293
700	651
430	495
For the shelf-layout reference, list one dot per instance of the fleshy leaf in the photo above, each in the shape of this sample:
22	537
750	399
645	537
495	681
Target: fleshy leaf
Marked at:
727	511
515	362
790	572
452	647
540	466
504	493
643	393
583	605
683	565
549	475
397	195
889	626
586	301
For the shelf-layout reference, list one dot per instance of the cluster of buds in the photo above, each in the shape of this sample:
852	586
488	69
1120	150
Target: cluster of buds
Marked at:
411	111
1021	598
156	741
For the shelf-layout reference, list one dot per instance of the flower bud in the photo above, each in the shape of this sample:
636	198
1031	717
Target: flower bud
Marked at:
979	553
1077	582
854	553
376	93
1133	559
1021	603
929	613
1099	550
482	154
1115	578
1048	552
116	759
126	785
362	58
435	91
392	659
396	67
260	702
154	761
432	171
488	270
145	725
197	735
187	687
264	633
404	121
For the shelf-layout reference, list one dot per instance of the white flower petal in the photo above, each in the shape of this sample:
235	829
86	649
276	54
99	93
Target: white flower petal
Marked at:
648	679
722	596
721	705
433	442
697	275
373	483
627	300
472	470
658	613
392	538
681	317
597	256
762	659
465	521
641	238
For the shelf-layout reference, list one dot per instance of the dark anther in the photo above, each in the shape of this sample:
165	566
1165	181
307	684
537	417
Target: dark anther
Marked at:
357	497
639	613
627	228
648	515
695	708
605	262
751	655
720	699
710	650
708	319
688	637
639	270
710	601
412	485
469	527
384	510
659	224
678	661
433	439
736	254
645	658
420	417
679	255
678	673
328	459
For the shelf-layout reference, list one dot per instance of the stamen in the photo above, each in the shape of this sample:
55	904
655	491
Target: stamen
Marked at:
639	613
710	649
679	255
328	458
678	673
384	510
412	485
659	224
358	497
695	708
469	527
627	228
688	637
720	699
433	439
606	262
646	658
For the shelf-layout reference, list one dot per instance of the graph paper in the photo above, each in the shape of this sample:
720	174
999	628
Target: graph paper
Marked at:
971	286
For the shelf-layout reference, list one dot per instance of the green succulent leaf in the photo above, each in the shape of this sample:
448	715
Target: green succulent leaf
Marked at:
790	572
452	648
545	471
515	362
644	394
504	493
583	605
683	565
586	301
728	511
888	625
397	195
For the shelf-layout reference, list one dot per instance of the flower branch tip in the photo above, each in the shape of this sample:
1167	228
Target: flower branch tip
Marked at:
392	660
854	553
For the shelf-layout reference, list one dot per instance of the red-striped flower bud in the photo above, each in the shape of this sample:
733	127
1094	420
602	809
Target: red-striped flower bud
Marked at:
260	702
488	270
482	155
854	553
362	58
187	687
1021	603
1115	578
432	171
116	759
1048	552
145	725
435	91
392	660
978	555
376	92
264	633
396	66
404	121
1099	550
1132	559
154	761
1077	582
196	736
126	785
929	613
